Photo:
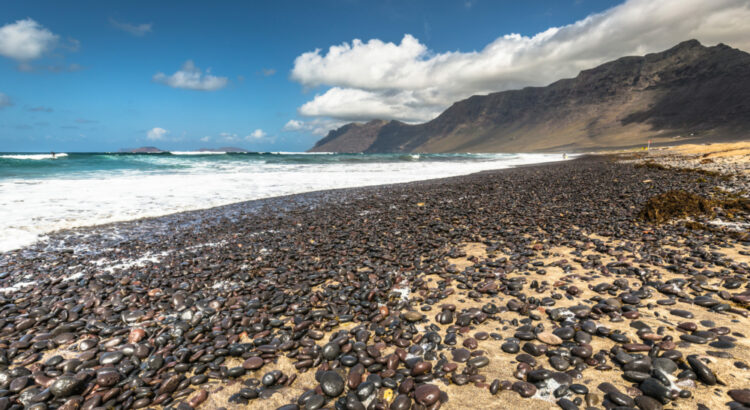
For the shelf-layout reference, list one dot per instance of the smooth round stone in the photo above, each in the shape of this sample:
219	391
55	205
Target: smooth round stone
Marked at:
740	395
107	377
155	362
620	399
269	378
566	404
421	368
479	362
235	372
332	383
682	313
315	402
525	389
510	347
647	403
470	343
564	333
110	358
348	360
331	351
66	386
579	388
702	371
549	338
636	377
664	364
413	316
559	363
249	394
538	375
653	388
534	349
722	344
87	344
253	363
198	379
19	383
427	394
494	386
693	339
460	355
401	402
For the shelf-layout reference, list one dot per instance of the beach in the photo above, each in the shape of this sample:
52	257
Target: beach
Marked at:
561	285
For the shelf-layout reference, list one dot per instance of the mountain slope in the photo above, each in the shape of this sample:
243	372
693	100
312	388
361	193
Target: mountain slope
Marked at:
689	92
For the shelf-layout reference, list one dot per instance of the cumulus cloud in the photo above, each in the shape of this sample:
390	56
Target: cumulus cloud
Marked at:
268	72
229	136
26	40
258	134
5	101
137	30
156	134
192	78
316	126
207	138
409	82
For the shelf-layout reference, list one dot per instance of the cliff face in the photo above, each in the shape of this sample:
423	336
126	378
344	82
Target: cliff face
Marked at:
689	92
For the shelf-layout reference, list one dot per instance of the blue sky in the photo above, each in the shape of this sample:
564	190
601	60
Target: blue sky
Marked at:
97	76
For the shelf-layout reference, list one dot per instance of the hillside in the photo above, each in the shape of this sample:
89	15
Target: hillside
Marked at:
687	93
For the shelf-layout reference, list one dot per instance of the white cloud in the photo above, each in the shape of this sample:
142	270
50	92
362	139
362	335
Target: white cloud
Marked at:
268	72
26	40
5	101
156	134
137	30
228	136
409	82
258	134
192	78
207	138
294	125
316	126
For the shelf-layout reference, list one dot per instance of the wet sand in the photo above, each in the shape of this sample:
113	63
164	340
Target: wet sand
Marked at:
546	265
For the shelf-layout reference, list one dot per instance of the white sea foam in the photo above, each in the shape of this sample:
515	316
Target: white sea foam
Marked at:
111	266
18	286
33	207
197	152
35	157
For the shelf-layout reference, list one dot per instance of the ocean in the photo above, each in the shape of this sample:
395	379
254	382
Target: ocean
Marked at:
40	194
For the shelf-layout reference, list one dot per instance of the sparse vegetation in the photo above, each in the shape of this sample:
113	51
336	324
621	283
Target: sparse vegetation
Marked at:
675	204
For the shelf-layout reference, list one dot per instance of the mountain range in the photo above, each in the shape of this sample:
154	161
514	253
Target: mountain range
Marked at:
687	93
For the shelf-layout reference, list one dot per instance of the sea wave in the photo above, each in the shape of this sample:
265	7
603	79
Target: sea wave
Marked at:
197	152
35	157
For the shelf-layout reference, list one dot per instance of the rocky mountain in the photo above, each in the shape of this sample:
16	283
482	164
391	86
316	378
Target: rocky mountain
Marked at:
687	93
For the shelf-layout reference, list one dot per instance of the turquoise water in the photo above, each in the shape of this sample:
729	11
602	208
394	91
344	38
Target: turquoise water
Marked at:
43	165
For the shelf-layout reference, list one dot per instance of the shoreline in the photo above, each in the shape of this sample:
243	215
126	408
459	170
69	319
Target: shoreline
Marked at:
56	207
493	252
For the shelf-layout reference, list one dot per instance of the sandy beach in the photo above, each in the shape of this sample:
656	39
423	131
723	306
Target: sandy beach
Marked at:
579	284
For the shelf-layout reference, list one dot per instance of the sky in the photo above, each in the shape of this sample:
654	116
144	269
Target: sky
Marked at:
277	76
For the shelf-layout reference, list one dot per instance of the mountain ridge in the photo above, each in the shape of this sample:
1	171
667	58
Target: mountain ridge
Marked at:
688	92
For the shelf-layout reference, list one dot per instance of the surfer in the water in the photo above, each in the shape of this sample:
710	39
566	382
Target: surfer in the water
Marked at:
53	154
